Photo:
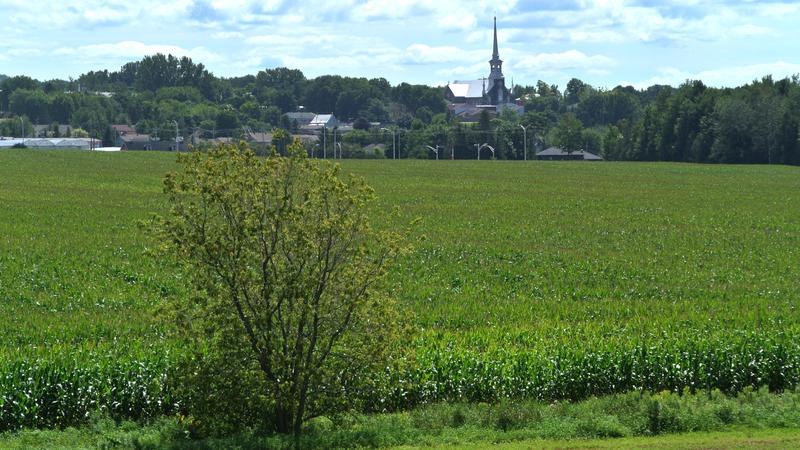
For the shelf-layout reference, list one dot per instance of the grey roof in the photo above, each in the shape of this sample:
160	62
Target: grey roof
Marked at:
301	115
555	151
50	142
470	88
136	138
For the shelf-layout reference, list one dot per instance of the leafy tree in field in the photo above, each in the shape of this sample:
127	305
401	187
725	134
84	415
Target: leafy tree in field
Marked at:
286	319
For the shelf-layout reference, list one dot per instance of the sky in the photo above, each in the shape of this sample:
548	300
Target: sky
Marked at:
602	42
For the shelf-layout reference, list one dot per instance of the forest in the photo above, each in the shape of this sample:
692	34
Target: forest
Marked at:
756	123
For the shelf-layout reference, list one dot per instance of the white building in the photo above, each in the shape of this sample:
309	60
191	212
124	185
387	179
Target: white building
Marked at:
323	121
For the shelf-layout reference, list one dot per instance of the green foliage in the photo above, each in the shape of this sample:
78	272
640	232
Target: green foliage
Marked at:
470	425
284	262
568	134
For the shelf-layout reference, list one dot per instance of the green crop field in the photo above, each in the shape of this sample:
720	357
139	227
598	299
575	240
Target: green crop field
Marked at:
540	280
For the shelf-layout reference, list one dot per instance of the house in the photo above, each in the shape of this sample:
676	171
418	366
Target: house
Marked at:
134	141
324	121
557	154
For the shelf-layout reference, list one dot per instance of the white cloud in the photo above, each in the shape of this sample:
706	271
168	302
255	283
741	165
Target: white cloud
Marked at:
563	61
128	50
426	54
227	35
458	21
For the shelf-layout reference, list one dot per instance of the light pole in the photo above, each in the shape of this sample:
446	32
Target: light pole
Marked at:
334	144
434	150
22	129
177	145
524	141
393	146
324	142
483	146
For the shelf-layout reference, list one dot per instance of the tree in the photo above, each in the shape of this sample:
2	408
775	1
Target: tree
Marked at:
361	124
285	267
568	134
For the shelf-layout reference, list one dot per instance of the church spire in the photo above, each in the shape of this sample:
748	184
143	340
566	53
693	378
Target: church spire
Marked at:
496	64
496	53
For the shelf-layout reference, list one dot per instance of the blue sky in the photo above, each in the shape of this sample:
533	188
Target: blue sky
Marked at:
603	42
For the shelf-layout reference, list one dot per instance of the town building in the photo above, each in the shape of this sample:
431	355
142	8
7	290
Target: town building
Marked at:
468	97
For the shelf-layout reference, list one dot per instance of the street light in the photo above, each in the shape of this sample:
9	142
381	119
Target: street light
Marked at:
393	146
483	146
324	142
435	150
334	143
22	129
177	145
524	140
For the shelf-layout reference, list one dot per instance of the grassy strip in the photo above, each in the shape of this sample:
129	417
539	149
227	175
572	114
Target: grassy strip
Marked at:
518	425
777	439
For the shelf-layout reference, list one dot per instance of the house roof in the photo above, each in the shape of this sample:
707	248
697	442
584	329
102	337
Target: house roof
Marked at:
470	88
136	137
322	119
51	142
258	136
555	151
301	115
123	129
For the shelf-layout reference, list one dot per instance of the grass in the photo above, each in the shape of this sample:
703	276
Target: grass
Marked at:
538	280
751	419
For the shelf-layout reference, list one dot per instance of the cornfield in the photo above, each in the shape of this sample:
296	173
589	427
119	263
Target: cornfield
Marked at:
542	280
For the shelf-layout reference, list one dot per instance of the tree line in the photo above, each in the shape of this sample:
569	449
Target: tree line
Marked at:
754	123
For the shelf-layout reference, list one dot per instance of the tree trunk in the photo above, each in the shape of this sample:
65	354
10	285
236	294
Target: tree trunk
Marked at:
284	423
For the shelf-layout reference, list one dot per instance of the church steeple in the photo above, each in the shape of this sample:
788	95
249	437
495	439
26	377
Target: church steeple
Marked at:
496	53
496	64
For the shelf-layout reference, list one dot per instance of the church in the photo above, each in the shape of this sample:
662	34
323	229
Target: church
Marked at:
468	97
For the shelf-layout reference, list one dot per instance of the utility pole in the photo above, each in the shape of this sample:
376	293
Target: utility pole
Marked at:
324	141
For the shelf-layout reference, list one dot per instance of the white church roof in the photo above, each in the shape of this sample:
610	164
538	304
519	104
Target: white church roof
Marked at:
469	89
